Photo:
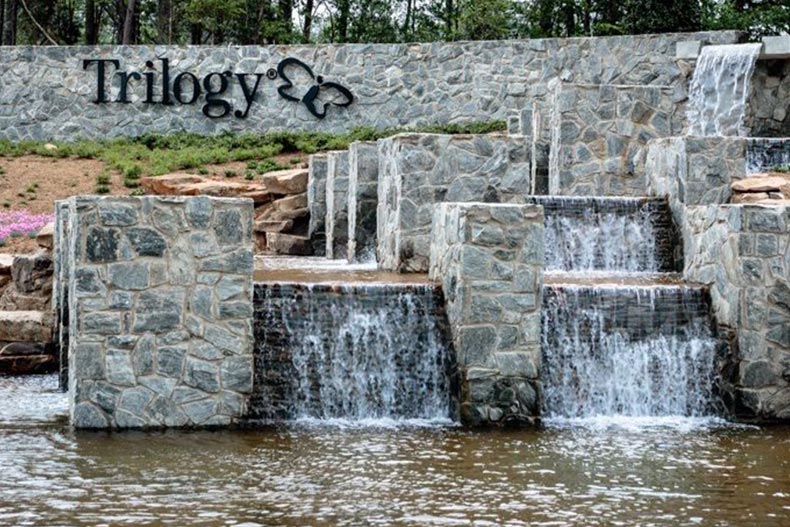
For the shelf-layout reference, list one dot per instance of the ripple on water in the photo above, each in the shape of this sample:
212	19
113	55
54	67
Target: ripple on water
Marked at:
31	399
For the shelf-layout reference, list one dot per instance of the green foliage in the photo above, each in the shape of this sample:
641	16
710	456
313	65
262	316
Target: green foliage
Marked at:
781	168
770	17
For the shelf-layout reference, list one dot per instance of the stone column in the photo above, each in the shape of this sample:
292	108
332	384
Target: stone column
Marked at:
316	202
363	181
336	223
489	259
416	171
160	311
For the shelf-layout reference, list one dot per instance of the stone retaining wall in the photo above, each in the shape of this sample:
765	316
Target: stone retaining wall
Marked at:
159	306
599	136
489	259
743	253
46	94
336	218
416	171
363	184
316	202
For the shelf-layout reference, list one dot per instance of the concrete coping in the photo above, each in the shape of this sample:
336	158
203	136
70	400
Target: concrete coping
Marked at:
777	47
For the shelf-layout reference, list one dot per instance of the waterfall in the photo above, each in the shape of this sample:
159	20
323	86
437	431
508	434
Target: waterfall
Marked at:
354	351
719	89
612	234
633	351
763	154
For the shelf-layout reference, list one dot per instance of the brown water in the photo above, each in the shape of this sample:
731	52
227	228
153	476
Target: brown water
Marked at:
606	472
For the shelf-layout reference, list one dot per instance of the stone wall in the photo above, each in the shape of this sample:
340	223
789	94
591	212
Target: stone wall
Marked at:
159	310
489	259
363	184
316	202
742	252
46	94
768	114
600	133
336	218
417	171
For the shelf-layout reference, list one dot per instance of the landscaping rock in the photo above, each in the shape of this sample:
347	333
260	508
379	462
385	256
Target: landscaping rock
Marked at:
6	261
292	181
44	236
25	326
771	182
169	184
280	243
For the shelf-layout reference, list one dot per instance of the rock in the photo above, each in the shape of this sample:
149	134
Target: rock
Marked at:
168	184
50	146
25	326
761	183
28	364
45	235
6	261
280	243
270	213
749	197
33	272
273	226
292	181
291	203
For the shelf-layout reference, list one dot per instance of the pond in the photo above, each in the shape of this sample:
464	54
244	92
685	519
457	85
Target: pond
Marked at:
605	471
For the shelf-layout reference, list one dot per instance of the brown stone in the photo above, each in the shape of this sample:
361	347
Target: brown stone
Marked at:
25	326
45	236
279	243
28	364
747	197
291	181
772	183
6	261
291	203
168	184
273	225
269	213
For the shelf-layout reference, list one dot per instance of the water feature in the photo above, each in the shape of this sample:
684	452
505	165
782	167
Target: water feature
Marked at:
628	350
351	347
662	472
719	89
612	234
764	153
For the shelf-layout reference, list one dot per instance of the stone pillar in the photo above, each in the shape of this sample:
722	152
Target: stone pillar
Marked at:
489	259
60	289
336	223
363	182
160	311
316	202
416	171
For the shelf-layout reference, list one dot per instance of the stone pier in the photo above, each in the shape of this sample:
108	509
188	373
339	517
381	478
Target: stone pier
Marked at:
336	223
363	181
159	310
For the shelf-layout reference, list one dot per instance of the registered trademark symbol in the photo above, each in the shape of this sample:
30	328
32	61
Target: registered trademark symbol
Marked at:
271	74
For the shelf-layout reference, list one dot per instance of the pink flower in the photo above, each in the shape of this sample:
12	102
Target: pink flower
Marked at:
21	223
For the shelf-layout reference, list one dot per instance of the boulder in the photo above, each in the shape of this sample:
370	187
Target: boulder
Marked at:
761	183
291	203
168	184
6	262
28	364
33	272
273	225
270	213
25	326
45	236
280	243
749	197
291	181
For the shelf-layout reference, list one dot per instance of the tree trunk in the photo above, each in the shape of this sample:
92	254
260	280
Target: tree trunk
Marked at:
449	19
286	12
91	24
163	22
2	19
12	10
128	24
307	27
407	21
344	11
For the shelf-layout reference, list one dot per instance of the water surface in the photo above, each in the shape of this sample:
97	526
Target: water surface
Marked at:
604	471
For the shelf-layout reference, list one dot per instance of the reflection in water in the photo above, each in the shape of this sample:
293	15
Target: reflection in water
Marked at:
650	471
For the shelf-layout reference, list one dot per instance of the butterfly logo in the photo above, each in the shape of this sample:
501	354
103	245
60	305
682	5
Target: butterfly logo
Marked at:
320	96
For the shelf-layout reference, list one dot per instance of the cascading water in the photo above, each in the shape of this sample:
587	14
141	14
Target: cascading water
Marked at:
611	234
719	89
764	153
631	351
354	351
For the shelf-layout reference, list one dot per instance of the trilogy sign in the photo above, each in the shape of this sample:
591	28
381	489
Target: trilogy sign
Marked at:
187	88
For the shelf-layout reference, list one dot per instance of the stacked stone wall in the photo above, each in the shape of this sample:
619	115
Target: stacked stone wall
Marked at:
46	94
363	184
336	217
159	308
489	259
416	171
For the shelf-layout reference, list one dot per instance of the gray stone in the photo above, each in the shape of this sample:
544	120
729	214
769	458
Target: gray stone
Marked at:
101	323
135	400
112	213
198	212
129	276
101	245
146	241
202	375
87	415
170	361
119	368
229	227
236	374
